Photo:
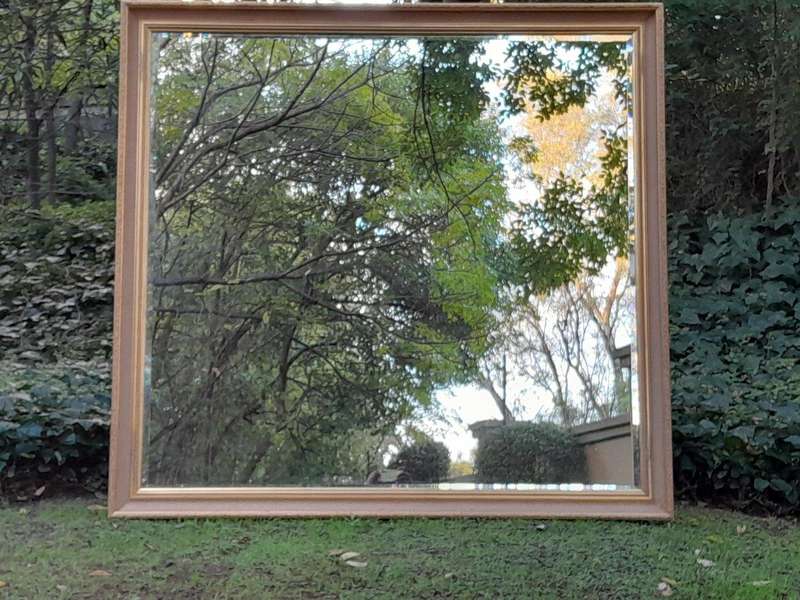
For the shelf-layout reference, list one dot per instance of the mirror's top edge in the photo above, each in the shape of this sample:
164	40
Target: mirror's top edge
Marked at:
604	36
395	19
610	7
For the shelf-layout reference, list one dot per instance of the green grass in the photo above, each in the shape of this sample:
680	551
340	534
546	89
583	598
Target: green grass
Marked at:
49	549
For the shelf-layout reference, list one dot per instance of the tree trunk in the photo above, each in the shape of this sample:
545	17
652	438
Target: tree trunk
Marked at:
52	155
50	121
72	126
772	144
505	412
32	119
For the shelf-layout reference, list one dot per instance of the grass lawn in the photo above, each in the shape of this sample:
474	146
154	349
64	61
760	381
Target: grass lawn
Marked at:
62	549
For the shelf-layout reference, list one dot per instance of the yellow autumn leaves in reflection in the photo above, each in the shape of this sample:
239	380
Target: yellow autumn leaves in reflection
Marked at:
572	142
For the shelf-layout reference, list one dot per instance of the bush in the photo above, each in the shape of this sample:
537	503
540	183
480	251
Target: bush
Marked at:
425	461
530	453
54	425
56	276
735	317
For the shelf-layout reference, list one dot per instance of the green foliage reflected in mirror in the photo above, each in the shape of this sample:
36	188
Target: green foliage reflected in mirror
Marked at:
391	262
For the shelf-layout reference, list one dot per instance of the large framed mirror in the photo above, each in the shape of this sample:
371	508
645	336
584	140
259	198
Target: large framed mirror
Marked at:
391	260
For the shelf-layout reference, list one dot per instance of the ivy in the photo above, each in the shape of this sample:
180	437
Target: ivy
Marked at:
54	424
56	294
735	314
56	271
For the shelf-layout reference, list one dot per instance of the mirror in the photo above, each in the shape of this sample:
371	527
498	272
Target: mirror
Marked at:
391	260
401	261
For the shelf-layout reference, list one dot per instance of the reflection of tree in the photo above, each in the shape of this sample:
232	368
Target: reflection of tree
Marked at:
319	250
563	342
330	244
579	64
611	311
570	144
562	325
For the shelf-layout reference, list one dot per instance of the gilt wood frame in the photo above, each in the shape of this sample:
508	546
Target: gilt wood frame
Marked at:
127	498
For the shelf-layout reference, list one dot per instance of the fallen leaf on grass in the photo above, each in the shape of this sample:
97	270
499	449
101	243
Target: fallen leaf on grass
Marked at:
704	562
3	584
99	573
664	589
355	563
349	555
761	583
216	570
96	508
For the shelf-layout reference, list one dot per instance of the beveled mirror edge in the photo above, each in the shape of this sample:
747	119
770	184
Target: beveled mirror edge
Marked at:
140	17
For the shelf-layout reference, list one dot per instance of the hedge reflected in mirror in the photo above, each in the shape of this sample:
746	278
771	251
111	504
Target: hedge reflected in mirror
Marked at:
402	261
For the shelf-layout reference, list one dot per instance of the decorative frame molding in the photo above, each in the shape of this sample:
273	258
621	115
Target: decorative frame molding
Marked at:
644	22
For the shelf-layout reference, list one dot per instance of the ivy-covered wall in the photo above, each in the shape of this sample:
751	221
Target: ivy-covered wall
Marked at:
56	276
56	304
735	343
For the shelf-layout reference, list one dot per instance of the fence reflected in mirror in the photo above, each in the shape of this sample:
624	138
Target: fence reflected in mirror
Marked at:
401	261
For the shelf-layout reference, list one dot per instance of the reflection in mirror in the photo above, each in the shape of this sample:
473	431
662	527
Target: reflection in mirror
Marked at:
391	262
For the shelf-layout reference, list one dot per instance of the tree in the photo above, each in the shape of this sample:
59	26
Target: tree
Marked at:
731	101
320	248
565	293
567	340
58	100
425	461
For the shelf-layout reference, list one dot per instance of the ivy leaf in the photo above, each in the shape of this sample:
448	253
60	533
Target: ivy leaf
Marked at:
794	440
781	486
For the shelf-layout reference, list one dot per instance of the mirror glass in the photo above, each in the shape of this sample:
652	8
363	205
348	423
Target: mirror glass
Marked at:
397	262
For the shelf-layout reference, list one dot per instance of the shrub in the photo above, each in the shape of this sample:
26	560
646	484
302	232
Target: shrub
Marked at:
734	322
425	461
54	425
530	453
56	274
